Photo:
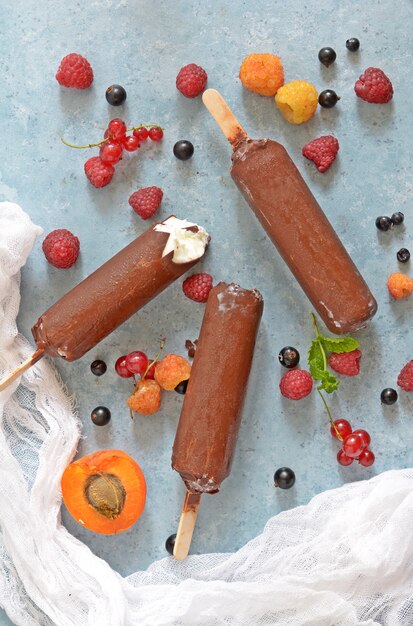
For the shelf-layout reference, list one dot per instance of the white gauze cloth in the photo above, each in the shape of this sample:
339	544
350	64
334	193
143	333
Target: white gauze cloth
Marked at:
344	559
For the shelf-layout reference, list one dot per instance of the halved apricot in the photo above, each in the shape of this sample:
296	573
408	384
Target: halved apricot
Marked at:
104	491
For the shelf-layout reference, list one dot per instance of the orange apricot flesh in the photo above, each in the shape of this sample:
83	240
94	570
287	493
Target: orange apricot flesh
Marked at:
104	491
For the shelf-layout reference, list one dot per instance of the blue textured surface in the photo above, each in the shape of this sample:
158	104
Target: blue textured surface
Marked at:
142	45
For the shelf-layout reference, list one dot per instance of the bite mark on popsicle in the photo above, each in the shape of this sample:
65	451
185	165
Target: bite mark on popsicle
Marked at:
186	240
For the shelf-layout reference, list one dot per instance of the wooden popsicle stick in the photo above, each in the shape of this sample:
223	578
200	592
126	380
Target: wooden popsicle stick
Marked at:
186	525
224	117
21	369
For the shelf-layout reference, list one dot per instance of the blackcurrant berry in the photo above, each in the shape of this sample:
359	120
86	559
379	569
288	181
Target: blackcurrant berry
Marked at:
397	218
352	44
284	478
98	367
403	255
388	396
328	98
181	387
170	544
384	223
100	416
327	56
183	150
115	95
289	357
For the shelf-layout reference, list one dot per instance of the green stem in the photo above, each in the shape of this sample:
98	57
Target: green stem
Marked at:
89	145
330	417
313	319
156	358
145	126
319	337
324	355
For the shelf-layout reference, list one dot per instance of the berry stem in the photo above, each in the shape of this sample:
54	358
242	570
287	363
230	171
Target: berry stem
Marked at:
319	339
144	126
330	417
89	145
313	319
156	358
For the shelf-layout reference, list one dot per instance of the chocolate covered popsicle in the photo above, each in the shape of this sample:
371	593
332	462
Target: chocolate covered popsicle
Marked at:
115	291
208	426
295	223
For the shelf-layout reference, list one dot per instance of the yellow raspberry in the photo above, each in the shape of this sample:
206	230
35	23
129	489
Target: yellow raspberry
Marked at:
262	73
171	371
297	101
399	285
146	399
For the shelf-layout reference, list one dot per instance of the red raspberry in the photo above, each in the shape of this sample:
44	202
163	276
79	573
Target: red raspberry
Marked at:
191	80
322	151
61	248
74	71
347	363
405	378
99	173
197	287
374	86
145	202
296	384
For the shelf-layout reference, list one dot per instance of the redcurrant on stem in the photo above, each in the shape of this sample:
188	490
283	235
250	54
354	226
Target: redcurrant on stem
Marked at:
163	341
330	417
89	145
145	126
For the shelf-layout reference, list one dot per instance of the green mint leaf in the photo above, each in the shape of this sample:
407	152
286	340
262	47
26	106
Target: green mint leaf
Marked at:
315	360
339	344
329	382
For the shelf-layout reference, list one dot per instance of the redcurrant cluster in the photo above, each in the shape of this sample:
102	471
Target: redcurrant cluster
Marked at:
116	140
355	444
135	364
100	169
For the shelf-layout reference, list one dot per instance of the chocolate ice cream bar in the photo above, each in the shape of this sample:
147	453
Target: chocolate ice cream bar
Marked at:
115	291
210	419
295	223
